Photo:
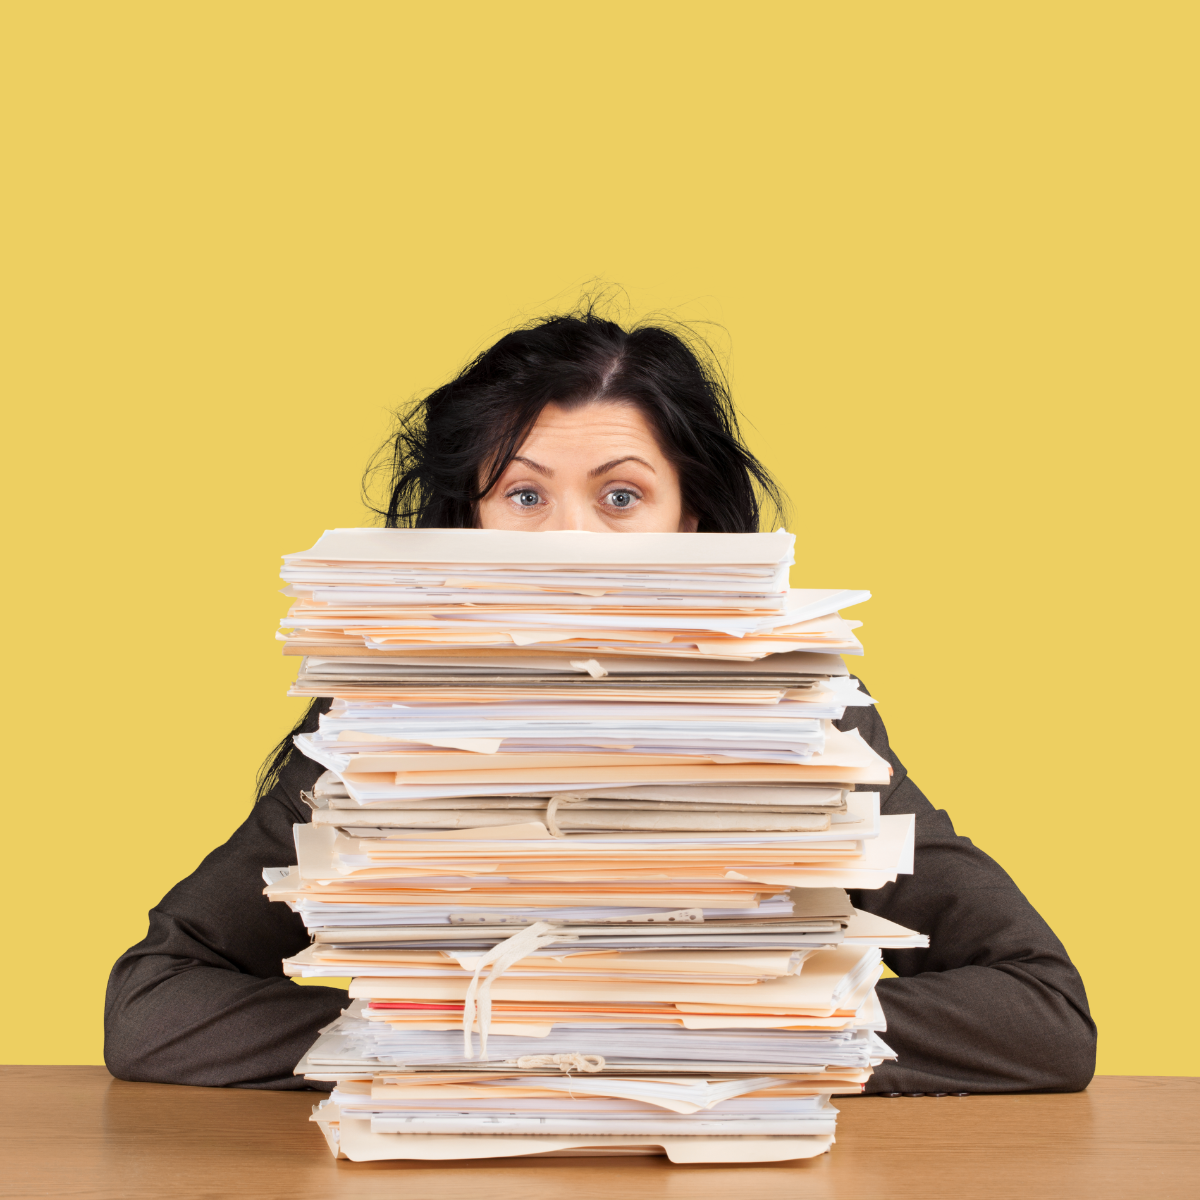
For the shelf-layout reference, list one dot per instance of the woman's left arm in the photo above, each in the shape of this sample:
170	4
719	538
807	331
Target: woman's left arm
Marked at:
994	1004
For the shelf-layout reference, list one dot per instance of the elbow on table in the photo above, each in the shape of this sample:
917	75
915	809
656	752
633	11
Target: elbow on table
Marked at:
1063	1059
129	1054
134	1050
1082	1061
125	1067
134	1053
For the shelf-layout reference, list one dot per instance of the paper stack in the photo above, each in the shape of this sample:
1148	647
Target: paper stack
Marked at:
582	843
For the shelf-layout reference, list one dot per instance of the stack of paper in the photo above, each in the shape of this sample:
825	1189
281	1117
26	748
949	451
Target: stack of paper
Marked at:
582	844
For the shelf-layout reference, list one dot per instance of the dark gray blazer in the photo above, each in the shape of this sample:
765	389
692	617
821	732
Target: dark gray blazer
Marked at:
994	1004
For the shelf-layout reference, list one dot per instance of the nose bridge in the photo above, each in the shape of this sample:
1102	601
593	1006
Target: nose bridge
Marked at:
574	511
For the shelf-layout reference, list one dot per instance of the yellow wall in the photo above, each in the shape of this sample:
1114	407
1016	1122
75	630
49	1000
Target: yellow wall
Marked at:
950	246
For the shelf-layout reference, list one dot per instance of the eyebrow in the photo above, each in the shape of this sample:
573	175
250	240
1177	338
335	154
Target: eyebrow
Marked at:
530	463
616	462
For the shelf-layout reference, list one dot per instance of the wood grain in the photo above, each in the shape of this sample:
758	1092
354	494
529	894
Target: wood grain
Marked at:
82	1135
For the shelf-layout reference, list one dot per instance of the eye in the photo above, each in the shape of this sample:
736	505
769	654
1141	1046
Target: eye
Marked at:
526	498
620	498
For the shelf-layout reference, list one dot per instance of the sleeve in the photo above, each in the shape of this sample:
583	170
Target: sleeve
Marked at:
994	1004
202	999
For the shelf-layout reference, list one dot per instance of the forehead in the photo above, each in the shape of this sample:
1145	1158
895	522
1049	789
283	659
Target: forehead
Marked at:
589	428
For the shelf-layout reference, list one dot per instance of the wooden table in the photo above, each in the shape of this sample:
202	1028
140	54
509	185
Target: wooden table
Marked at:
76	1132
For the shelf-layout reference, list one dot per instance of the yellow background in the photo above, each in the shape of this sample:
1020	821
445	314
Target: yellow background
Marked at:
950	252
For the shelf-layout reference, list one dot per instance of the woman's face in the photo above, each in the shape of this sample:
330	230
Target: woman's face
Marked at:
596	467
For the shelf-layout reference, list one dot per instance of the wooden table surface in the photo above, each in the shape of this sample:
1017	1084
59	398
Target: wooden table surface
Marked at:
78	1133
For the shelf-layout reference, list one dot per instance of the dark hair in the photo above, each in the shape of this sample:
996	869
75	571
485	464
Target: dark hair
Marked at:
449	449
270	774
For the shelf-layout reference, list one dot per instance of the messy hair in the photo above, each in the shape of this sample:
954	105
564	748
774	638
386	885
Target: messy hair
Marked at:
448	449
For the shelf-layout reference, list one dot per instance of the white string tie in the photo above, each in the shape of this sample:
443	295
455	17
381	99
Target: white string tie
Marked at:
566	1063
590	665
500	957
552	806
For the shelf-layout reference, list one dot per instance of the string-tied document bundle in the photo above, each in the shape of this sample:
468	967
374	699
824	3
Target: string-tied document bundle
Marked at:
583	841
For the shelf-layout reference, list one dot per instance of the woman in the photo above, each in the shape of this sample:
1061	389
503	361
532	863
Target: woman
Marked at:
575	423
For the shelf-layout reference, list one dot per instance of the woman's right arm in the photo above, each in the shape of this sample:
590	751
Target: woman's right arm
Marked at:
202	999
